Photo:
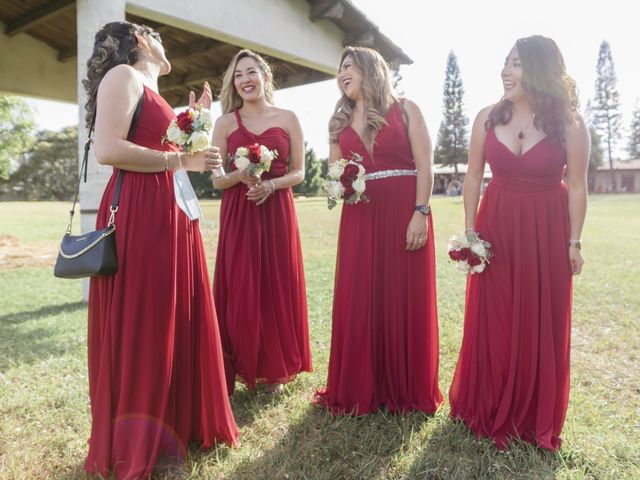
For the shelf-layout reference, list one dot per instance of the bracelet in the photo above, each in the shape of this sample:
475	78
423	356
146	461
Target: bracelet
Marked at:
471	229
165	155
273	185
575	243
179	160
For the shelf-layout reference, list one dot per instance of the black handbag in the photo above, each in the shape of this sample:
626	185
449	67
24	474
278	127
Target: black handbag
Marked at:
93	253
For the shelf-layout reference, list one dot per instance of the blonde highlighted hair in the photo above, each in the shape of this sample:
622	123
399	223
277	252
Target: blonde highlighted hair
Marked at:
376	91
229	97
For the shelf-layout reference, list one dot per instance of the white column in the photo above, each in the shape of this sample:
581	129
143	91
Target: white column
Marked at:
91	16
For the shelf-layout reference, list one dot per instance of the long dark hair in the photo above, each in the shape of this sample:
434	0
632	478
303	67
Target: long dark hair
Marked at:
554	96
115	44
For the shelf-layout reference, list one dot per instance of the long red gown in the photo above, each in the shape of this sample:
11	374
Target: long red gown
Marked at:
156	375
259	284
512	378
384	339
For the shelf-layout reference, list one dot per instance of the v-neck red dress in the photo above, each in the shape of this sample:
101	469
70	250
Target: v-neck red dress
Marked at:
384	339
512	378
259	284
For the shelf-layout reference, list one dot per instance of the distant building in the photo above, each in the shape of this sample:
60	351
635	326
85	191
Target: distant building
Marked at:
447	182
627	177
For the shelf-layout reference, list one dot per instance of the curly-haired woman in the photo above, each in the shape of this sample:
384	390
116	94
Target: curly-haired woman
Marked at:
156	375
512	378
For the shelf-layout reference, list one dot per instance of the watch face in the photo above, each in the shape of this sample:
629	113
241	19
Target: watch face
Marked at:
423	209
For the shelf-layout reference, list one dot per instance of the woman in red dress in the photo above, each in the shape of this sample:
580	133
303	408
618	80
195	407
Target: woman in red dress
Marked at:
258	283
384	341
512	378
156	374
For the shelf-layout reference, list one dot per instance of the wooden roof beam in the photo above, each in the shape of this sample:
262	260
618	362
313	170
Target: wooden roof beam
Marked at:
327	10
38	15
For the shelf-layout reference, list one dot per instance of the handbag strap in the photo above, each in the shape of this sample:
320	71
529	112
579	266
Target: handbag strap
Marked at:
83	167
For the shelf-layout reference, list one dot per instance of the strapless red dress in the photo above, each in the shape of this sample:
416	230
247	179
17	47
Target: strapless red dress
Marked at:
259	284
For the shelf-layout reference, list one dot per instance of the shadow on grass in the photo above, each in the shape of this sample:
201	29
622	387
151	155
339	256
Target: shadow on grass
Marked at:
453	453
319	446
20	343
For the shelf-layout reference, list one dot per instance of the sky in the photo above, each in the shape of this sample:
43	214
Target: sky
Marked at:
481	35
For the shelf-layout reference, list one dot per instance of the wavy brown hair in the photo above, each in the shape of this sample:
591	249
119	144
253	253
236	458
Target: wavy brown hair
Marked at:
554	95
376	90
229	97
114	44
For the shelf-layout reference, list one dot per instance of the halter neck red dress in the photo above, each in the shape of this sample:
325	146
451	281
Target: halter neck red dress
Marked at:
512	378
384	339
156	376
259	284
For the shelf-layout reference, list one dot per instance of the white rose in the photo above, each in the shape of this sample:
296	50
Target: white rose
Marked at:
479	268
242	152
266	155
205	119
335	170
478	249
199	141
241	162
358	185
463	266
361	171
175	135
333	189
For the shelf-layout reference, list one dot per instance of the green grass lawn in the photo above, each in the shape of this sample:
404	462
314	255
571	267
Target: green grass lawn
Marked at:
44	410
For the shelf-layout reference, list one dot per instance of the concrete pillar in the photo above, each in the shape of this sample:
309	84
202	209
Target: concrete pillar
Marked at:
91	16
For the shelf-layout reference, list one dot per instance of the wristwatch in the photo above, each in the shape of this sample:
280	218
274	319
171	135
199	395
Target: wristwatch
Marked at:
575	243
423	209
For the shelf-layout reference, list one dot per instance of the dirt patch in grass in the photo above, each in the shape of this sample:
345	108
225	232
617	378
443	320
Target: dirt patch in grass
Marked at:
17	254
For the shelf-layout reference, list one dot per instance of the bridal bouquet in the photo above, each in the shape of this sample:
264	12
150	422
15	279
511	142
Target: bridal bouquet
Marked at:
254	159
190	130
346	181
470	252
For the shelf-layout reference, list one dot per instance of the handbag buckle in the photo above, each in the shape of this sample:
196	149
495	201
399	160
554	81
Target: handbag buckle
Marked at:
112	217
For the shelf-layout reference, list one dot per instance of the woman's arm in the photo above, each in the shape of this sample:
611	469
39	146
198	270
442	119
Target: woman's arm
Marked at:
578	145
475	170
422	152
295	175
221	130
118	96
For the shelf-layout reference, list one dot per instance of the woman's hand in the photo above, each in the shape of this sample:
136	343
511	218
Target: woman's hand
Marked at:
205	99
417	231
260	192
203	161
575	257
248	180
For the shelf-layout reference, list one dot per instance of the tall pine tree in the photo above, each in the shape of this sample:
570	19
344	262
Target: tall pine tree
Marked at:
452	145
634	136
605	108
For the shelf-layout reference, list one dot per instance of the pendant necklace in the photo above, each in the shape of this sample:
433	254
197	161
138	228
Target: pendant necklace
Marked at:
521	133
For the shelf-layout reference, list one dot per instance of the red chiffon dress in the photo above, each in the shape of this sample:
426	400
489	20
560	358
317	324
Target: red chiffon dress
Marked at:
259	284
156	375
512	378
384	339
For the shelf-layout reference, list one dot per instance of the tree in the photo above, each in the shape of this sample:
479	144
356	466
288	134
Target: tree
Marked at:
312	184
634	136
49	170
16	125
605	109
396	81
595	157
451	147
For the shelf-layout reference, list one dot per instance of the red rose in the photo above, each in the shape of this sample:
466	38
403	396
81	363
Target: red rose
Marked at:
348	191
350	171
254	153
459	255
474	260
184	122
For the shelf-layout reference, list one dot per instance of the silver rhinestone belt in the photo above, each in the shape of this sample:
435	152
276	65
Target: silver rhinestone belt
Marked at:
389	173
